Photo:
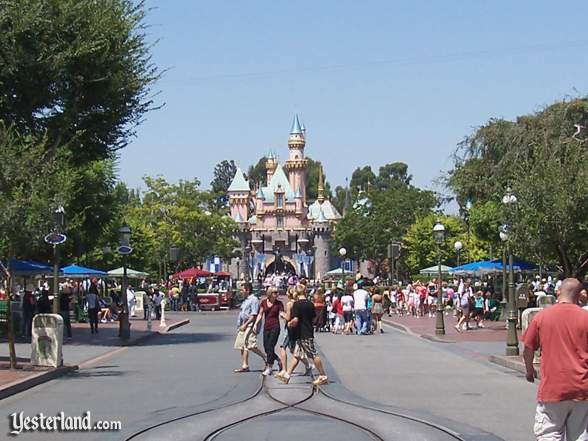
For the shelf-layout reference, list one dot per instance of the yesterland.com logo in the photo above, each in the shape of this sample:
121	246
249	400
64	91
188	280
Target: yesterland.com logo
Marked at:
19	423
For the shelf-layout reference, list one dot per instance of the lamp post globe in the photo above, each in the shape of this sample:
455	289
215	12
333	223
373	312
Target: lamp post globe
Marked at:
439	236
342	252
439	232
458	247
124	235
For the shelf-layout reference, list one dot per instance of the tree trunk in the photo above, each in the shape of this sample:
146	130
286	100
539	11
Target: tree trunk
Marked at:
582	267
565	261
9	324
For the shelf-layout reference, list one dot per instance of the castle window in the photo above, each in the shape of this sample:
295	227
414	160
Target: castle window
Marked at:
280	200
280	221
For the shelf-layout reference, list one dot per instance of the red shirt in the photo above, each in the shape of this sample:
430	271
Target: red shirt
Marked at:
338	306
561	331
272	314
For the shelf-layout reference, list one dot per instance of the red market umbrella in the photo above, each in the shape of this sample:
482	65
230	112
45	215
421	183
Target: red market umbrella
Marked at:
222	274
190	273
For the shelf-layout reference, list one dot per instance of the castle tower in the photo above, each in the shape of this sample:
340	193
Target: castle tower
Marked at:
270	167
296	163
239	194
321	228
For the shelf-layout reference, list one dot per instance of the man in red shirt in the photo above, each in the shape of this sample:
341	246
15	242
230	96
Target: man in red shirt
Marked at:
561	332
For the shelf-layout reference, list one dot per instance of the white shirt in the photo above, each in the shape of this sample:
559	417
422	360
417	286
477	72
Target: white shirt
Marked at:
347	302
360	298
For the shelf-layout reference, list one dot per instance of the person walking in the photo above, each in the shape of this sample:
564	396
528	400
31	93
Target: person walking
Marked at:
303	314
360	299
347	306
561	332
157	298
270	310
64	305
246	340
377	309
93	307
28	311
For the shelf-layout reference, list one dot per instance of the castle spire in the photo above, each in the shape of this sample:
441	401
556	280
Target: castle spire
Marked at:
321	186
296	127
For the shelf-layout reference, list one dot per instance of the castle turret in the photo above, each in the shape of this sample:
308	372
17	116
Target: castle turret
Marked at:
296	163
270	167
321	228
239	195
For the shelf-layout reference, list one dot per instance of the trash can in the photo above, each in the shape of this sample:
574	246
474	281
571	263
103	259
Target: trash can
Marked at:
47	340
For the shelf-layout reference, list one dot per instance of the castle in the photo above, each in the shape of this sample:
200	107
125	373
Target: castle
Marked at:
278	230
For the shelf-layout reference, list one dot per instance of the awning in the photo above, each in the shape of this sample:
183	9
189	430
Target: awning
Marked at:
28	268
76	271
338	272
190	273
131	273
434	270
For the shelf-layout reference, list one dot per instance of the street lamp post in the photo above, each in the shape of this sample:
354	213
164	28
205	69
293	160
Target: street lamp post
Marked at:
512	343
342	253
238	260
439	236
124	238
59	222
458	246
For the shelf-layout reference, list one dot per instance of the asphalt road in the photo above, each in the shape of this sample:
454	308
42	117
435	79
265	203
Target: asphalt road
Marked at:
182	386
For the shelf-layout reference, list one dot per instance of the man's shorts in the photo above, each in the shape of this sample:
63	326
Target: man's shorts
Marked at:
347	316
246	339
561	420
305	349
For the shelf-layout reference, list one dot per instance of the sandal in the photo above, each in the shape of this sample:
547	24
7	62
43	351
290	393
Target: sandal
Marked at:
240	370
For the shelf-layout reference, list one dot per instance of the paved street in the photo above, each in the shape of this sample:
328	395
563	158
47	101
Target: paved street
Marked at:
378	381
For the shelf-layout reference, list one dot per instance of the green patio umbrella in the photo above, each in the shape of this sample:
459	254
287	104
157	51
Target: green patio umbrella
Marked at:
131	273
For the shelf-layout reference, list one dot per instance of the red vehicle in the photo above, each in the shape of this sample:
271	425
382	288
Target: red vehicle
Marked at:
209	301
219	295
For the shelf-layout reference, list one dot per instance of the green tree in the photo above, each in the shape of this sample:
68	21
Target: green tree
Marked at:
256	174
223	175
32	184
177	215
368	229
420	248
312	179
77	74
544	163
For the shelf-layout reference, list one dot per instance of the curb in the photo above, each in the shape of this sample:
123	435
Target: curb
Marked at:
408	331
42	377
512	363
400	327
176	325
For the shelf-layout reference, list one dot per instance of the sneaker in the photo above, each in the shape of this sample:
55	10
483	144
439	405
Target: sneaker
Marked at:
285	378
321	379
267	371
457	328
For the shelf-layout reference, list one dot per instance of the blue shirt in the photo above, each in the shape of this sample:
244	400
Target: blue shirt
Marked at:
249	307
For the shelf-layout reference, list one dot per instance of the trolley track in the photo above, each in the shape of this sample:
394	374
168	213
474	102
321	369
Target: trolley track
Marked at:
266	390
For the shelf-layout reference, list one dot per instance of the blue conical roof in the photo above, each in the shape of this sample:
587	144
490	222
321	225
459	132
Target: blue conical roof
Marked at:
296	127
239	183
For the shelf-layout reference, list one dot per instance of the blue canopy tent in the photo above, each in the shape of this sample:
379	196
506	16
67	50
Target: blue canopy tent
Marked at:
518	265
80	272
28	268
490	266
477	268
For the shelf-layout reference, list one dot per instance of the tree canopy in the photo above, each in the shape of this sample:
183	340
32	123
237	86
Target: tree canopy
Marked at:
544	163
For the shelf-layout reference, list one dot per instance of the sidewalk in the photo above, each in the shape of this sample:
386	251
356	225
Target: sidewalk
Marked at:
80	351
483	343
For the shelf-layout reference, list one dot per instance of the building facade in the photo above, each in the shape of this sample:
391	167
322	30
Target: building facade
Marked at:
279	231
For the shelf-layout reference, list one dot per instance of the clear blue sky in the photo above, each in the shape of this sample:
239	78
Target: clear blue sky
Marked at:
375	81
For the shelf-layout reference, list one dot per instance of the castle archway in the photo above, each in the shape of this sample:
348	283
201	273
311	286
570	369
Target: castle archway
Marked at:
281	265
